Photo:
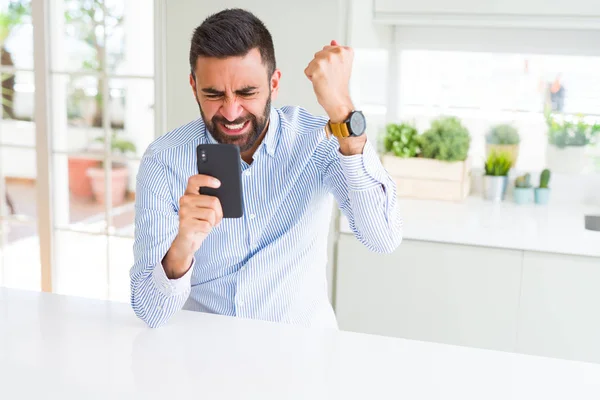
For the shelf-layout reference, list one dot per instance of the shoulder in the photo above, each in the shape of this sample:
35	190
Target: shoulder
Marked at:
300	120
305	132
176	139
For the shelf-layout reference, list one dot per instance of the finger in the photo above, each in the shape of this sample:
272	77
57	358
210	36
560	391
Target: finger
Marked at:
201	214
309	70
199	200
334	43
197	226
202	201
195	182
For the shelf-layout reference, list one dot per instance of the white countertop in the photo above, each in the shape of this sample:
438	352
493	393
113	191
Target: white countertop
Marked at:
70	348
555	228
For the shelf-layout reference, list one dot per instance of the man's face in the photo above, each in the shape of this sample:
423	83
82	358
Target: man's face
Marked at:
234	95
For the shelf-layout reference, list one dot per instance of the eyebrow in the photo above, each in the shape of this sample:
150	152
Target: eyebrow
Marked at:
244	90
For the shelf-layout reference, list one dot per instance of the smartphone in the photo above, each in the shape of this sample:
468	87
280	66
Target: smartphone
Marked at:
222	161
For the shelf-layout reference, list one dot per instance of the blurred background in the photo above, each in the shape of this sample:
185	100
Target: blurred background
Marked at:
486	114
101	86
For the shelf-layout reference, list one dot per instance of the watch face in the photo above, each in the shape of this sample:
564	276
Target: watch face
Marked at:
358	123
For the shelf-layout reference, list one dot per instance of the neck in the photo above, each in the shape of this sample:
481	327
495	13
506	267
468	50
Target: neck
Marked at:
248	155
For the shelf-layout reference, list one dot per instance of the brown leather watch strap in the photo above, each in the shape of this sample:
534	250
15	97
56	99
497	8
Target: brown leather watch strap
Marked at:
339	130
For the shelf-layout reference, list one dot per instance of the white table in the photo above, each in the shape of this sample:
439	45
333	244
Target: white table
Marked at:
70	348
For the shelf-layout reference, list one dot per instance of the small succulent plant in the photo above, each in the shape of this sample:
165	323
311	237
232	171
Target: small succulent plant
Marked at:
498	163
544	179
503	134
523	181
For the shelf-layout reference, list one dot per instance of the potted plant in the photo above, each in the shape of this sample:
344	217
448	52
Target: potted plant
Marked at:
433	165
542	193
495	180
119	173
503	137
402	140
567	139
523	192
446	140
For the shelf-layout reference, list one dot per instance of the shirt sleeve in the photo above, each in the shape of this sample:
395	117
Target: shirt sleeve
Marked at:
155	297
365	193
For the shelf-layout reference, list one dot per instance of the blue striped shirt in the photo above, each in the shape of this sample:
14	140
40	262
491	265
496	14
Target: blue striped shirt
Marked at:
271	263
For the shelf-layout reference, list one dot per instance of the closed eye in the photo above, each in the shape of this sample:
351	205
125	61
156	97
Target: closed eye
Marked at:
213	94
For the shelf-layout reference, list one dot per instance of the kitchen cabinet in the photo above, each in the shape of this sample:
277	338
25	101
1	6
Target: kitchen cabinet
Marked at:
547	14
444	293
491	7
559	313
524	301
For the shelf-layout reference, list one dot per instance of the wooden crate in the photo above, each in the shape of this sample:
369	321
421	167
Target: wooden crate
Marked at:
422	178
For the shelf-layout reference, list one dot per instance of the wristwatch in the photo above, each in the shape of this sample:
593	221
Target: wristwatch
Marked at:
355	125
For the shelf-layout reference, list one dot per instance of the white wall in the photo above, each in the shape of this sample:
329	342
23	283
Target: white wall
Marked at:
298	33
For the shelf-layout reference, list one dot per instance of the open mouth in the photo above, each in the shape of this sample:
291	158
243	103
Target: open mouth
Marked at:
234	129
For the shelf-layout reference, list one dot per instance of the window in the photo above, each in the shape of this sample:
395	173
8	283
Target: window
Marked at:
102	112
102	71
369	88
19	239
484	89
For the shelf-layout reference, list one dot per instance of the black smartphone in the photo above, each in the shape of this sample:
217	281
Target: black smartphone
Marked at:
222	161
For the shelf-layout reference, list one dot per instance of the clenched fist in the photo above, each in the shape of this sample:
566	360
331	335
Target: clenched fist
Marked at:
329	71
198	215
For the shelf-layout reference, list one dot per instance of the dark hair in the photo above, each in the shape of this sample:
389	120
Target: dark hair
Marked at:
232	32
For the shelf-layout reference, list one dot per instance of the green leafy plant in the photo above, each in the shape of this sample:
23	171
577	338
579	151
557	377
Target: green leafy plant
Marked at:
402	140
498	163
446	140
573	131
118	145
523	181
503	134
90	21
544	179
16	13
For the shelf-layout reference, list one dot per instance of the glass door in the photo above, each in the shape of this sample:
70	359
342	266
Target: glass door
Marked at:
99	117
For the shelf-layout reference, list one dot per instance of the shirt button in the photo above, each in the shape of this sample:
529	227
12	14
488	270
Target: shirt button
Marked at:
247	173
252	216
241	303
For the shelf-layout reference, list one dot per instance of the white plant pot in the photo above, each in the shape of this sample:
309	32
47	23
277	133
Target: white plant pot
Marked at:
568	160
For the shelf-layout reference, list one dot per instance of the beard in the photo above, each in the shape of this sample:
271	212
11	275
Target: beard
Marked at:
245	141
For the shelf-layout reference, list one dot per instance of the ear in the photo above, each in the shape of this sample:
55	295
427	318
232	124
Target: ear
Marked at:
193	85
275	78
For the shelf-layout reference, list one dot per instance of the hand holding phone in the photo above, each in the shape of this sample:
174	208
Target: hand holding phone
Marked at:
223	161
198	215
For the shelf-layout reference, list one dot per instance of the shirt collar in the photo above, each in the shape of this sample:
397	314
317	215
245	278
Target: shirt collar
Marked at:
271	138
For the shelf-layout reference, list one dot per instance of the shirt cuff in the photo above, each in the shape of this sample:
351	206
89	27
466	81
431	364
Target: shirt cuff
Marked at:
361	169
172	287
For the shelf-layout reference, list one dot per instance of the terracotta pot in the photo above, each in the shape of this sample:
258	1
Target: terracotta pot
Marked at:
119	184
79	181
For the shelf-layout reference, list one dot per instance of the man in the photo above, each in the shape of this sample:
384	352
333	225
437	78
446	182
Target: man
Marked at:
269	264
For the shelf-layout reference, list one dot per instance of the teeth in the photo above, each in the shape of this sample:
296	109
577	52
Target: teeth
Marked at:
234	127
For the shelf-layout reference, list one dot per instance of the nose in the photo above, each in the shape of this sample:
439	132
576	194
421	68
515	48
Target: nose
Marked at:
231	109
